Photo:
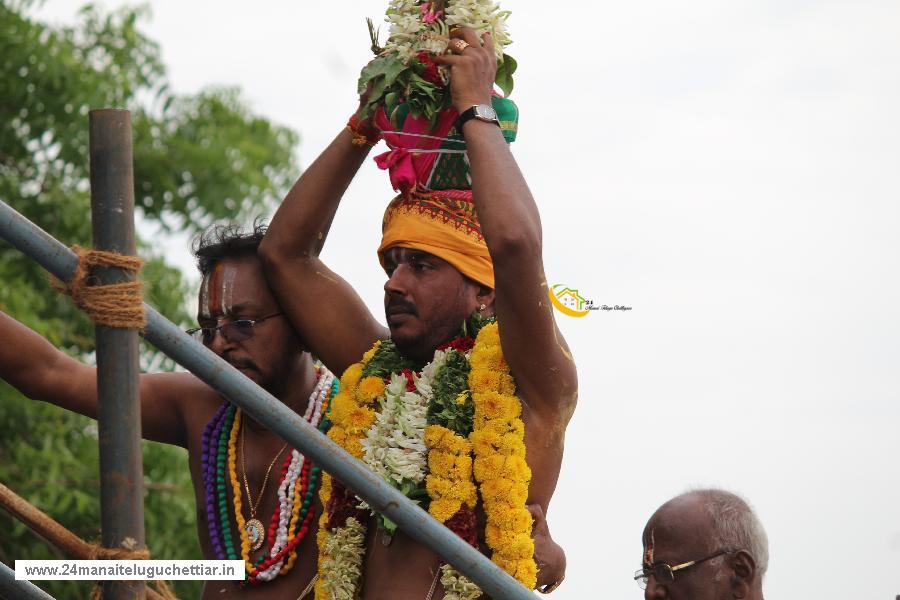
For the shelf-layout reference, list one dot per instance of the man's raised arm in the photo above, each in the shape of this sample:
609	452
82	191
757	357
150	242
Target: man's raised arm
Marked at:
40	371
326	312
532	344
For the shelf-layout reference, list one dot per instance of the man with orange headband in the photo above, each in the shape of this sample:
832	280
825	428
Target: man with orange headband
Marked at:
466	418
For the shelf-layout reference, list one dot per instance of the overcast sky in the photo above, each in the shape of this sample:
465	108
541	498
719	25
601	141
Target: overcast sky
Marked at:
727	169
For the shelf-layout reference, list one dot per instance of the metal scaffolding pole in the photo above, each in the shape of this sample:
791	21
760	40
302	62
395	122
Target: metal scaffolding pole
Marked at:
119	408
13	589
35	243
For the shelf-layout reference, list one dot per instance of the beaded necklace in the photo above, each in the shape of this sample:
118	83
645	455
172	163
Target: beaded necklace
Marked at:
296	491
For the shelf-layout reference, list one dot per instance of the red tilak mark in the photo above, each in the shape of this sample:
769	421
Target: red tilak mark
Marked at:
214	301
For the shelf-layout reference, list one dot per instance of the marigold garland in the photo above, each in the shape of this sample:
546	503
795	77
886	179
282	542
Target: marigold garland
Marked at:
350	419
474	434
449	482
499	439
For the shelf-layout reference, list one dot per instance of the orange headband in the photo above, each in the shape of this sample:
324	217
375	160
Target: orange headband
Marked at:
442	223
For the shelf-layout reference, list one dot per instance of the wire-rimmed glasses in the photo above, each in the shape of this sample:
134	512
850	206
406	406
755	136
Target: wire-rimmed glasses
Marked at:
234	331
665	573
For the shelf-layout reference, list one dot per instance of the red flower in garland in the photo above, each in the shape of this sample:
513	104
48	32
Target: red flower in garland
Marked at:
410	382
464	524
430	74
341	505
460	344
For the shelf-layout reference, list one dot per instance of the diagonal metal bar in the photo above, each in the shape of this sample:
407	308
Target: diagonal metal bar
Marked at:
21	589
38	245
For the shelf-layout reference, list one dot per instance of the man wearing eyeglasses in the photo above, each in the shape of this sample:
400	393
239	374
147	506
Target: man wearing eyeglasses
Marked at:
241	321
703	545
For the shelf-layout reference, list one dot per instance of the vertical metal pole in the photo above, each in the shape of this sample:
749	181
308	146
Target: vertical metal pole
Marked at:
119	417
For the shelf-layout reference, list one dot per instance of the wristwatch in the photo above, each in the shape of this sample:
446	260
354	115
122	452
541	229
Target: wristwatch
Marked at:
482	112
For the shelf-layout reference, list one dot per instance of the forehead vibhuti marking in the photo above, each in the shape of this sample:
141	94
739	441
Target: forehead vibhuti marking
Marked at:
212	303
227	296
204	297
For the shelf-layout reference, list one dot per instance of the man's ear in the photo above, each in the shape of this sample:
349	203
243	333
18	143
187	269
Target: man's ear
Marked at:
743	574
485	296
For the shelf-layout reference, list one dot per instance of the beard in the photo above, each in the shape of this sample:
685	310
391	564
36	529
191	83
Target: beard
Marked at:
419	340
417	347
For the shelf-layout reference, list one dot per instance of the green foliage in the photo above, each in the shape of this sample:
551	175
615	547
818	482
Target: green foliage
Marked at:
387	82
210	147
376	81
452	380
505	71
449	382
386	360
49	456
474	324
198	158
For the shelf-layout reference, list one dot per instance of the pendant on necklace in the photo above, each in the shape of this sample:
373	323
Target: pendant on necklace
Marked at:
386	537
256	532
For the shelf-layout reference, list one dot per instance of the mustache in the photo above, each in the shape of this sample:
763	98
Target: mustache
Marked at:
241	363
399	305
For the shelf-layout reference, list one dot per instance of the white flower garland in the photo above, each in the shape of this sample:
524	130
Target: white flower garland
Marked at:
347	547
482	16
457	586
394	447
415	28
400	426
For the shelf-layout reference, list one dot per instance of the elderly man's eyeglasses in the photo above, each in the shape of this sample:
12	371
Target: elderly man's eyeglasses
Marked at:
234	332
665	573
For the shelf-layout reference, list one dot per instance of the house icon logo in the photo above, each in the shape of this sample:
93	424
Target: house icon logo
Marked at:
568	301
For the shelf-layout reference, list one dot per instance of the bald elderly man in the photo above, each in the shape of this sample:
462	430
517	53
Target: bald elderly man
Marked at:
703	545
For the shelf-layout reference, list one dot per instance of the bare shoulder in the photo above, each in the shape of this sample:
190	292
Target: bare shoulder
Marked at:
172	405
176	387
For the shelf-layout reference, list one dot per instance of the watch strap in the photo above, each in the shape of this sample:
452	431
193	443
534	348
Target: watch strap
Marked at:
472	113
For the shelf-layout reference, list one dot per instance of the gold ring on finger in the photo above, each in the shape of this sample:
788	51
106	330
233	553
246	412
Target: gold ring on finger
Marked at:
460	45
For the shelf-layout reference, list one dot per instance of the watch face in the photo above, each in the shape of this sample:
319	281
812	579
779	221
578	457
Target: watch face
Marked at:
485	112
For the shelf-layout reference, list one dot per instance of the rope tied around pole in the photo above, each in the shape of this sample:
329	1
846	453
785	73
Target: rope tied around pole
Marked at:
52	531
118	305
98	552
126	552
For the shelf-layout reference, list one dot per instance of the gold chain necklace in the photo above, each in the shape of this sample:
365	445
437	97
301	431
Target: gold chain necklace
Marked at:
256	531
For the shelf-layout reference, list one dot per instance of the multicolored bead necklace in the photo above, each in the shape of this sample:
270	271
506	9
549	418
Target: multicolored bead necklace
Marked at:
254	527
296	491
